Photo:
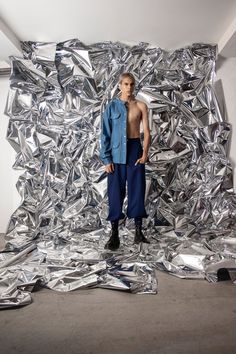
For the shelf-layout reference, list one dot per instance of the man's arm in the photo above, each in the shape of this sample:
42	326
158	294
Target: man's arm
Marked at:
105	151
146	130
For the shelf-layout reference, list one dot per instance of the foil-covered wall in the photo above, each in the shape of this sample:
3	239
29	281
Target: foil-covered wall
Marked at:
56	236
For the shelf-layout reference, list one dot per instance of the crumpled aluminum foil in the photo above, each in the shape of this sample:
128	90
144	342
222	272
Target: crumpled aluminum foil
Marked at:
56	236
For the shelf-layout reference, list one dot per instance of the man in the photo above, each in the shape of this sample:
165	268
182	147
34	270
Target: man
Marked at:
124	158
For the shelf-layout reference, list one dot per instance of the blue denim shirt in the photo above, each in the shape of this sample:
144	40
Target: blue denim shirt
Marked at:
114	132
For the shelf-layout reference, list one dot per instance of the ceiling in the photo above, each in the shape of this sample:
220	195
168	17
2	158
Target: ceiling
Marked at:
168	24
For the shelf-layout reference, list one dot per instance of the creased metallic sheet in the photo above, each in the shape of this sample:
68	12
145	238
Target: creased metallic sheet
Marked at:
56	237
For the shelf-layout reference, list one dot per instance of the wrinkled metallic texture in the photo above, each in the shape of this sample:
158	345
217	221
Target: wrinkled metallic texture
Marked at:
56	237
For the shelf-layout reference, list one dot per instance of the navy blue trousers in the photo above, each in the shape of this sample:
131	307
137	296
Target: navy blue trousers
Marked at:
136	184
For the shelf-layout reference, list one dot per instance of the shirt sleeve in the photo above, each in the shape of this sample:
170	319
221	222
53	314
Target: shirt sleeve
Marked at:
105	139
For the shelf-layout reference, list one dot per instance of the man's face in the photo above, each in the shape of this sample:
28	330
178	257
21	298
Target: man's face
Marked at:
127	86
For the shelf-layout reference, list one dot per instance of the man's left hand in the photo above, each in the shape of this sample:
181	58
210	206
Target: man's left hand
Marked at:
142	159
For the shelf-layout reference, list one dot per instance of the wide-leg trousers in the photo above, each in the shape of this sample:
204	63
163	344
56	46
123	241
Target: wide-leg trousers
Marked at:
136	184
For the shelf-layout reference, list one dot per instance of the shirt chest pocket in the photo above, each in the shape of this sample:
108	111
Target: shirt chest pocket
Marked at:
115	117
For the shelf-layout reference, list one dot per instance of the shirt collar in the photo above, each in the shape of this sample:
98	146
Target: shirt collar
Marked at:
124	102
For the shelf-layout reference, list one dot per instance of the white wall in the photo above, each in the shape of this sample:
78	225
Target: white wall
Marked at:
226	92
9	197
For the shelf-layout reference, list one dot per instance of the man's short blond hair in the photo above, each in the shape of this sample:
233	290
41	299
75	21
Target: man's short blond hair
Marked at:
126	75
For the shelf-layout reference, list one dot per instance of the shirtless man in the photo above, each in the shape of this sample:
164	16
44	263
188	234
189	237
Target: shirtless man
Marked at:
125	158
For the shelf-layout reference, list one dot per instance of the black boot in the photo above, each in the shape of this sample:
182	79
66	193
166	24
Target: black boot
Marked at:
114	242
139	236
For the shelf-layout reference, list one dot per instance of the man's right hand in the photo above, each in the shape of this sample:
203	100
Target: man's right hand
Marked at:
109	168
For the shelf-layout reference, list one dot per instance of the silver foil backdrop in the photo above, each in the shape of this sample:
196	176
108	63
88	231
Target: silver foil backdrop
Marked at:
56	236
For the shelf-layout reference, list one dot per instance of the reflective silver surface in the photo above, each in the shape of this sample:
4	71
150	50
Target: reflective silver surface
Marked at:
56	236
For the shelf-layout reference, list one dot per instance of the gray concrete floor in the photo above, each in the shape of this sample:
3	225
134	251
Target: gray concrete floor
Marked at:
186	316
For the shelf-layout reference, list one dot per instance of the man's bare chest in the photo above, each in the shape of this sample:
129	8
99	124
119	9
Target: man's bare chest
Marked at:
134	113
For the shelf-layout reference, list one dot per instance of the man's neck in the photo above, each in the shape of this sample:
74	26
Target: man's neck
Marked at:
127	98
